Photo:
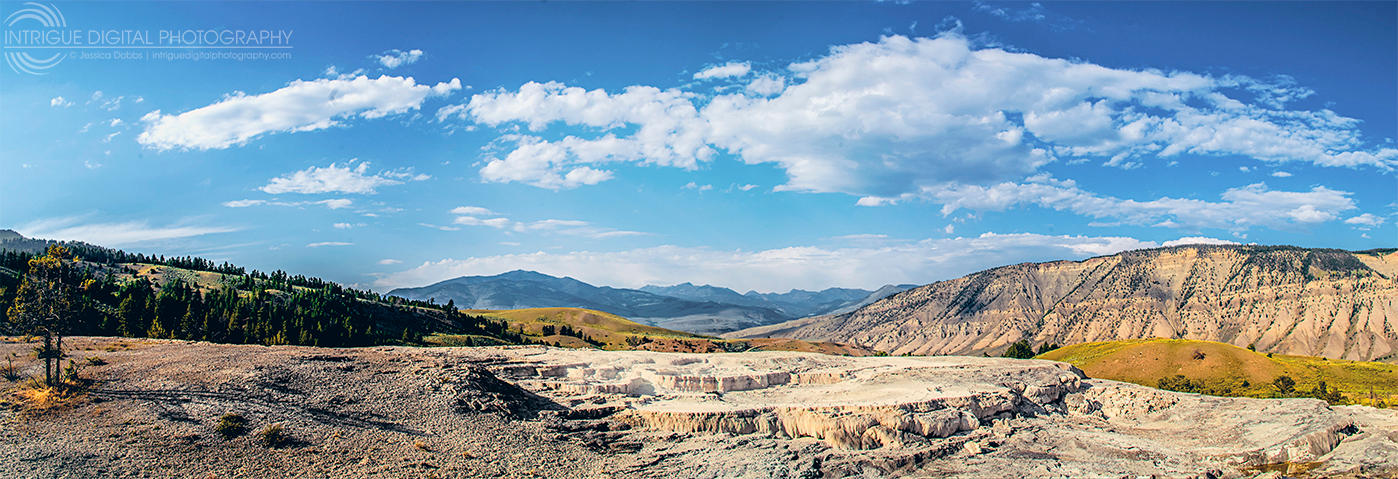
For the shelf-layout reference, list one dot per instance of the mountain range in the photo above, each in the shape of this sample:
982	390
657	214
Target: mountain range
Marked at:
1279	299
685	307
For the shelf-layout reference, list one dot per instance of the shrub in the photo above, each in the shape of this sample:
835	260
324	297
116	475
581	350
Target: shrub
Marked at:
1285	385
9	370
274	435
95	361
231	425
72	374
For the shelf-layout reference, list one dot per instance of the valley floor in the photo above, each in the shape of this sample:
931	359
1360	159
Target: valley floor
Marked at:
548	412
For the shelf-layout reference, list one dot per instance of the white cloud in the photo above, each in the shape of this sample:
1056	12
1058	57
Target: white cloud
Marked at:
439	227
747	187
668	133
350	178
1034	12
60	102
244	203
903	115
328	243
334	203
474	221
1281	174
300	106
695	186
389	261
866	266
477	216
1188	240
766	85
395	58
104	102
472	211
1366	219
727	70
116	233
343	226
1239	208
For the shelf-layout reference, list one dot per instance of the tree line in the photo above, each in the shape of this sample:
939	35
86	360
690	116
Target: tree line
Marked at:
246	308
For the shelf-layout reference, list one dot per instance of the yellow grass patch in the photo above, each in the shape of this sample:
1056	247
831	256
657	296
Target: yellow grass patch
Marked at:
1245	372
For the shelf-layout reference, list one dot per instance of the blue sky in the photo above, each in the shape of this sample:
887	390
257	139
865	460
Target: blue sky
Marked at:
760	146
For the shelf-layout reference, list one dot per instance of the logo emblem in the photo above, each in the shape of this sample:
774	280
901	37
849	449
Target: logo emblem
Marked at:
48	17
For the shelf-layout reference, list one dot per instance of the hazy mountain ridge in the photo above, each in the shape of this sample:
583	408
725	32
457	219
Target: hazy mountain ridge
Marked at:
1319	302
527	289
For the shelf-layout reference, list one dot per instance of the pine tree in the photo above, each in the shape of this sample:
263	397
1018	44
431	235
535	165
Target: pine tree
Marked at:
45	305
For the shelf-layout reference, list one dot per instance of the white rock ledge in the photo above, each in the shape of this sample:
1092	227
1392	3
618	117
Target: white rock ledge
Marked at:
851	403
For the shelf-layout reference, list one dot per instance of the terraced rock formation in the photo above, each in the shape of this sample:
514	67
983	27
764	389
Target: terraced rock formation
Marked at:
1314	302
953	416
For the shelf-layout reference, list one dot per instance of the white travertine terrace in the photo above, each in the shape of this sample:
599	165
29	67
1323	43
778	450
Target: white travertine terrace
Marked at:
854	403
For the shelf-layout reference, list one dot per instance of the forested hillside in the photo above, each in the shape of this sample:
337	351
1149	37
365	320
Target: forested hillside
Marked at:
120	293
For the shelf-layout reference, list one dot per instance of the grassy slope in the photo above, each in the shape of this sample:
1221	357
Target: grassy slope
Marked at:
1146	361
613	331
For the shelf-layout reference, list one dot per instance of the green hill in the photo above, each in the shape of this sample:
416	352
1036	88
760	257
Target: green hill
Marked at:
1227	370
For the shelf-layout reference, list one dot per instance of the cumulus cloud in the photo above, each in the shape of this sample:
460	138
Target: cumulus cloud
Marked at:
904	115
60	102
299	106
1366	219
114	233
766	85
727	70
808	267
1238	209
396	58
350	178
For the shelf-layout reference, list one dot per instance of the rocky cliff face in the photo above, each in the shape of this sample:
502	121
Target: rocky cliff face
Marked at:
1286	300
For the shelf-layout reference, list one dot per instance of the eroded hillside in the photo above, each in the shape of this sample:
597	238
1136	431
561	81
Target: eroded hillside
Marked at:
1316	302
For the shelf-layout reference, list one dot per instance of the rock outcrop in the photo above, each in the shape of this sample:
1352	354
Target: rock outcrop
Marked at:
952	416
1285	300
872	403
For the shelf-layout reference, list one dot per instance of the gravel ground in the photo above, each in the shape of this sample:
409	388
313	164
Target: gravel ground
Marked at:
371	412
153	405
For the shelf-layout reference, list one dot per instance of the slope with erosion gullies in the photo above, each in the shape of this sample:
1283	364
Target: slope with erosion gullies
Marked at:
1287	300
585	328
